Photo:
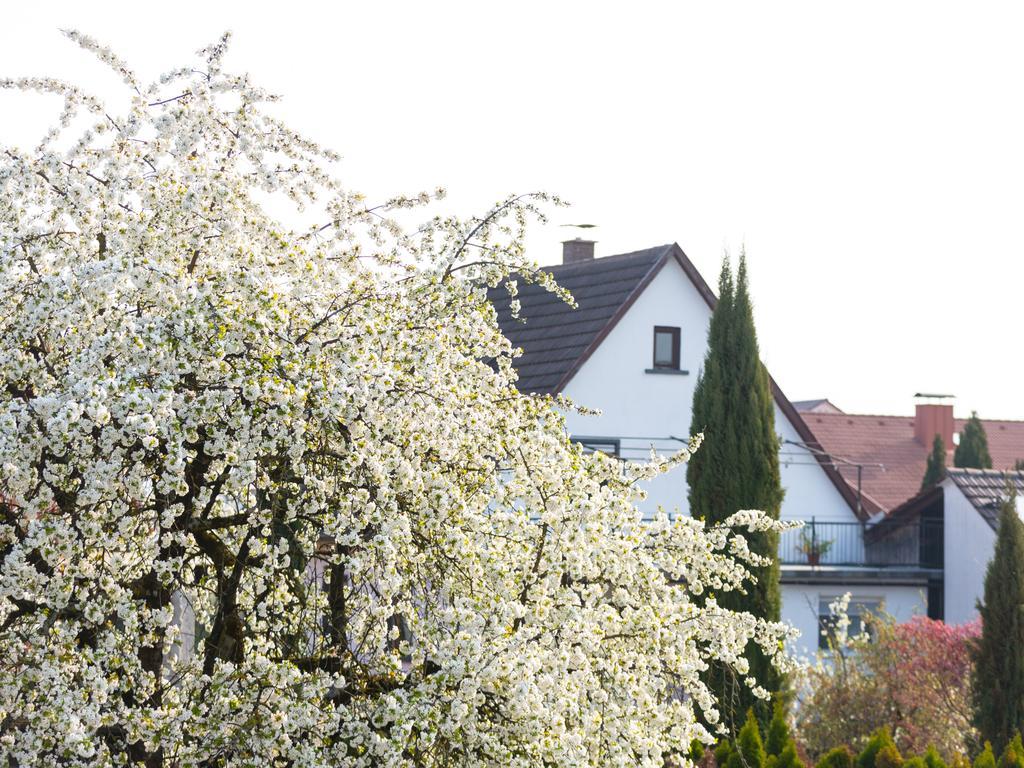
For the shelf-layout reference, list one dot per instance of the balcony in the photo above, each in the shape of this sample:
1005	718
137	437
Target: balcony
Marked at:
914	545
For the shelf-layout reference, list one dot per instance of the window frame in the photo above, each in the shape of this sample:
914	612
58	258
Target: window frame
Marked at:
593	444
675	333
860	611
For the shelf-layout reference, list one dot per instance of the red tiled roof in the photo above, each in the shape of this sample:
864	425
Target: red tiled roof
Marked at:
889	441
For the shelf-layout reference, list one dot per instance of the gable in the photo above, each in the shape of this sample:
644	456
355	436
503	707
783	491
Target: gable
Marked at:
557	340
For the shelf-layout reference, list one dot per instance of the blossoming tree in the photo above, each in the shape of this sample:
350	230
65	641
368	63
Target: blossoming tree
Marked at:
270	496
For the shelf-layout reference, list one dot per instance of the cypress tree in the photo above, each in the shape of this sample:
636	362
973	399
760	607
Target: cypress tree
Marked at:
935	469
749	746
888	757
737	467
987	758
1013	755
778	741
973	452
999	653
788	758
724	749
881	739
778	731
840	757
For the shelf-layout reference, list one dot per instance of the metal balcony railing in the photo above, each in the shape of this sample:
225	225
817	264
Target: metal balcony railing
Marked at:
912	545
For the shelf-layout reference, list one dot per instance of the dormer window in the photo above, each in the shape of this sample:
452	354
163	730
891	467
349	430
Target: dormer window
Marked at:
666	348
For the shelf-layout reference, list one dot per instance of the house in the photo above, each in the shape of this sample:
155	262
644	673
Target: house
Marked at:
885	457
633	349
954	522
966	505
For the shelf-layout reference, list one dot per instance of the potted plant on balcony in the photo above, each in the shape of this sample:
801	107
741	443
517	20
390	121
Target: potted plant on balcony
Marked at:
813	547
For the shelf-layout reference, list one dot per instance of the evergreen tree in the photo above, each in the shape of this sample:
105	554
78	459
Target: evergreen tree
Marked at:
1013	755
888	757
788	758
880	740
932	758
935	470
748	745
778	736
973	452
723	750
696	751
840	757
734	408
999	654
987	758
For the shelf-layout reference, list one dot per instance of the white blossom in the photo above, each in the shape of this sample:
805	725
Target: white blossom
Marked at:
302	434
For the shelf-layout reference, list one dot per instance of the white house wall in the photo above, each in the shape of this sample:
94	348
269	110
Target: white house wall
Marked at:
637	406
969	543
800	606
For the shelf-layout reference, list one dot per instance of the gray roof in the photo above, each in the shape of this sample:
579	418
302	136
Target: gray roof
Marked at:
821	405
986	489
556	338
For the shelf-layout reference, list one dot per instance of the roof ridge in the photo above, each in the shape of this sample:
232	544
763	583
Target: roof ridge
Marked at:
899	416
612	257
857	415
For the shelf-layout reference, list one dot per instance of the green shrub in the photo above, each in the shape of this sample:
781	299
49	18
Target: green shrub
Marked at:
986	759
1013	755
724	748
840	757
879	740
888	757
778	731
696	751
749	745
788	757
932	759
915	762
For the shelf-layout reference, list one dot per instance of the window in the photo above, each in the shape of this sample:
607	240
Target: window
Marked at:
606	445
666	347
860	611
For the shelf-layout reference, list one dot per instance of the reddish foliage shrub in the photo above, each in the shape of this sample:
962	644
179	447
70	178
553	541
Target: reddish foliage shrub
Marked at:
913	677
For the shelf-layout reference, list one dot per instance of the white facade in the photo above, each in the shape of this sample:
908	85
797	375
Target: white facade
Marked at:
802	604
643	409
972	540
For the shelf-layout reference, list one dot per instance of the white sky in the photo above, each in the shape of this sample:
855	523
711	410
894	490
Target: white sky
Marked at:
870	155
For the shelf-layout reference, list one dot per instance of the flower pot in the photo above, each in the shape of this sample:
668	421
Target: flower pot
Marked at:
813	558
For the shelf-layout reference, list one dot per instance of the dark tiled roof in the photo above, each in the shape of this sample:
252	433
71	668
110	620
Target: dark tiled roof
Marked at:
986	489
554	336
889	441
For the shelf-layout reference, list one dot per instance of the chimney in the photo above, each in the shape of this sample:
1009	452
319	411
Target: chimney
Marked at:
934	418
577	250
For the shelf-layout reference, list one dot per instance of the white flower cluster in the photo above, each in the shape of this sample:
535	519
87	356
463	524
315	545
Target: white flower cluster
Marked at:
270	495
